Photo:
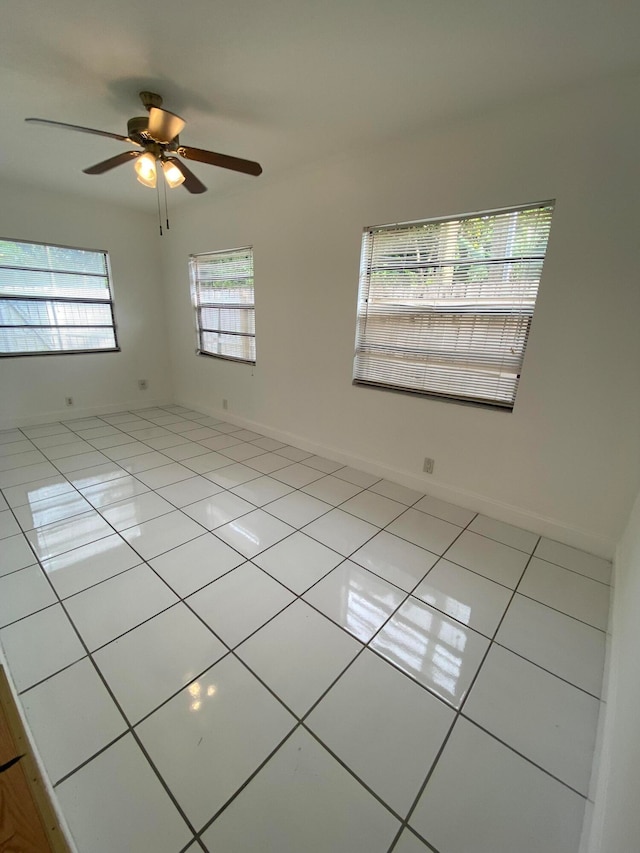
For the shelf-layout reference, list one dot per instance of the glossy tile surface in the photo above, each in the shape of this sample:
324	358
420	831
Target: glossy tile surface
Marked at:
482	797
298	654
385	728
71	716
209	721
214	630
437	652
279	809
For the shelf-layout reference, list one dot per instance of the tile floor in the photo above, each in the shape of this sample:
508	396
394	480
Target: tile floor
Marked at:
224	643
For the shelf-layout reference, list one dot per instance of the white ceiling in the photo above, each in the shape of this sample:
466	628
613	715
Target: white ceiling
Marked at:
284	82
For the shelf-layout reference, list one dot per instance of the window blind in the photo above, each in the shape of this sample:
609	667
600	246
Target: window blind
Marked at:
222	285
54	299
445	306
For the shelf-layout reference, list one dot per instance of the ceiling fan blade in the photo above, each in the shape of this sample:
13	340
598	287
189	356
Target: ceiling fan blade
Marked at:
191	183
249	167
163	125
111	163
81	129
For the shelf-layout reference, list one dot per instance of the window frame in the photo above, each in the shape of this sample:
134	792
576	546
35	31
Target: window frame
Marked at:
63	299
367	270
197	307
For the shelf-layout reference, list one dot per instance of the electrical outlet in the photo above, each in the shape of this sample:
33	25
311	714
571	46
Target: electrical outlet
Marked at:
428	465
225	404
68	401
143	384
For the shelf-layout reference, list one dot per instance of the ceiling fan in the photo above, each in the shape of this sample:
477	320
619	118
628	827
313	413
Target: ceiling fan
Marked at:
159	147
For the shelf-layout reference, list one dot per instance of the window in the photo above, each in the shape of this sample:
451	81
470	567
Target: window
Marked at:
54	300
445	306
222	285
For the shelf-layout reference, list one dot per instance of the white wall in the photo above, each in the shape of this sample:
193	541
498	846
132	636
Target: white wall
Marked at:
34	388
615	821
566	461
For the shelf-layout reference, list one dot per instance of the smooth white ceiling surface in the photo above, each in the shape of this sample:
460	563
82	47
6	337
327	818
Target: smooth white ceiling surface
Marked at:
284	82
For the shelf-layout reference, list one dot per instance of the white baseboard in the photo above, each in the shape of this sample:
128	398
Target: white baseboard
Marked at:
561	532
72	413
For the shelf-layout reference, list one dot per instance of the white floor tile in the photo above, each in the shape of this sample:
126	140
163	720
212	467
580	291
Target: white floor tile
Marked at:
151	538
467	597
195	564
83	567
39	646
21	460
240	452
189	491
113	491
540	716
80	461
424	530
45	441
128	450
264	443
446	511
298	561
37	491
13	447
385	727
261	490
62	451
116	439
355	599
255	532
225	719
136	510
505	533
295	454
357	477
232	475
220	442
23	593
51	509
239	603
331	490
441	654
298	654
571	593
396	492
409	843
297	475
298	509
395	560
44	429
373	508
104	612
205	432
507	803
97	474
15	554
188	450
495	561
60	536
589	565
71	717
570	649
268	463
156	659
145	462
171	439
208	462
300	800
217	510
28	474
165	475
116	802
340	531
320	463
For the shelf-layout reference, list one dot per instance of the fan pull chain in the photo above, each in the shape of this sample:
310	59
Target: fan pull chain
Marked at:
159	214
166	207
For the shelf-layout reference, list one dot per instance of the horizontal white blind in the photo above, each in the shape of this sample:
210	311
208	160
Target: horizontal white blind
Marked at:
222	285
444	307
54	299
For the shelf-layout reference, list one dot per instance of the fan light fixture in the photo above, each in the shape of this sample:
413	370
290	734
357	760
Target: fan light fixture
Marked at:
145	167
172	173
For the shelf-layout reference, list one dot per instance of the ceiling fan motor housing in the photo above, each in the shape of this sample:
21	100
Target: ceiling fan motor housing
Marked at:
137	125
